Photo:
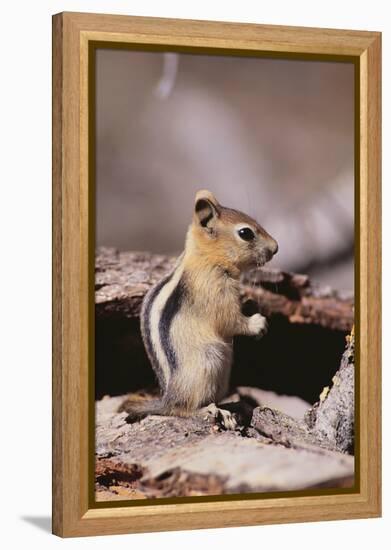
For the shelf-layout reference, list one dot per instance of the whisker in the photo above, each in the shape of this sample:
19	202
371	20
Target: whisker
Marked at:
255	275
259	266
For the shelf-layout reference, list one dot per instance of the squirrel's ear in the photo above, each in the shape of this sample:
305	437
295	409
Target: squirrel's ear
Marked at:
207	209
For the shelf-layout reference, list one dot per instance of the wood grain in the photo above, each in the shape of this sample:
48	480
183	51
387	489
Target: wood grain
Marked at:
370	274
72	257
57	273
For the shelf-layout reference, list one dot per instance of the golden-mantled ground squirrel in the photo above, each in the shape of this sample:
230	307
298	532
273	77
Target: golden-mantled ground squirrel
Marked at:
189	318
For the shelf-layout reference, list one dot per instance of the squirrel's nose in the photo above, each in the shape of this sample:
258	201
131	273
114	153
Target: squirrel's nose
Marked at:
272	249
268	254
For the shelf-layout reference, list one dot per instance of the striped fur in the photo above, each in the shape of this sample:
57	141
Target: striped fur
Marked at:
171	308
189	318
156	340
146	328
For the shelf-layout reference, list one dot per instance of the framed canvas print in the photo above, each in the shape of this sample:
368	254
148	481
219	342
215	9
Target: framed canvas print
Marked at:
216	274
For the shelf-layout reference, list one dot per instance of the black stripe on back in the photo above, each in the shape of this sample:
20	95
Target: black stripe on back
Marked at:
147	329
171	308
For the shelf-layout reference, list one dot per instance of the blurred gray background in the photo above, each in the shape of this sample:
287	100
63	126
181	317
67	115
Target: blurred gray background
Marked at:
271	137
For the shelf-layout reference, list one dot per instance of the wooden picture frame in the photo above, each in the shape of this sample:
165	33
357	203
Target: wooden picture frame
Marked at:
74	34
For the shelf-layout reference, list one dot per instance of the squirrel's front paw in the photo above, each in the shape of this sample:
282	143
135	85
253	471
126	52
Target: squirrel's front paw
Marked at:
257	325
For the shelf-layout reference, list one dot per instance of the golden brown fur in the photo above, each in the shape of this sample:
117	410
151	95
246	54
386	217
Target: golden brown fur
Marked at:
188	320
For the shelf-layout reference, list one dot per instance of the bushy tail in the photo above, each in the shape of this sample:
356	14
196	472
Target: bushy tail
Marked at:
140	406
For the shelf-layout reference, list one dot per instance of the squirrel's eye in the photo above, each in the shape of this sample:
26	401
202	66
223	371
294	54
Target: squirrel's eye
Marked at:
246	234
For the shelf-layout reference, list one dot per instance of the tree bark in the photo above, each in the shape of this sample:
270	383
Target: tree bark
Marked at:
332	417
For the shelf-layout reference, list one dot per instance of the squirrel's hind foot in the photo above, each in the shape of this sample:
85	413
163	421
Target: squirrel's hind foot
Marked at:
221	417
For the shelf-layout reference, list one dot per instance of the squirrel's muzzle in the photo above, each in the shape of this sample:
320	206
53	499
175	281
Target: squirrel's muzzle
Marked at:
271	249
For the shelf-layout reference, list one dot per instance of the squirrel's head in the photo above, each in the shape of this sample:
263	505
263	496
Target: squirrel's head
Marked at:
229	235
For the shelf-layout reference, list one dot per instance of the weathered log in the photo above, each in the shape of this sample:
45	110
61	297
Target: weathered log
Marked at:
123	278
171	456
